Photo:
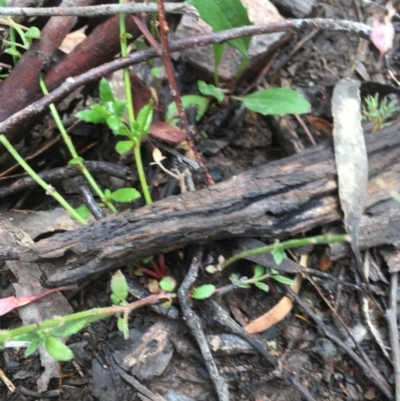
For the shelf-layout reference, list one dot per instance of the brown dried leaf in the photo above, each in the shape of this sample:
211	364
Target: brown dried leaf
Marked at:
167	133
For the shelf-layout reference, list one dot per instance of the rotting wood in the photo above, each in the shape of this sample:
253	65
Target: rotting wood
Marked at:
276	201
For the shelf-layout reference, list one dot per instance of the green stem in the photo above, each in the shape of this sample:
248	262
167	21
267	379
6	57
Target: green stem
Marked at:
89	316
142	176
295	243
131	112
79	164
48	188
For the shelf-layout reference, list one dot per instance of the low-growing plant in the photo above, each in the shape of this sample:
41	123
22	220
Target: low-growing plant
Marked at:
48	334
378	112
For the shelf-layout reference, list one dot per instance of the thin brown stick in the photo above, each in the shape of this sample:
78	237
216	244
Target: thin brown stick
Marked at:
93	11
166	58
96	73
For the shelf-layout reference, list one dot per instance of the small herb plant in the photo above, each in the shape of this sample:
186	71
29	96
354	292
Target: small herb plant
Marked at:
48	334
379	112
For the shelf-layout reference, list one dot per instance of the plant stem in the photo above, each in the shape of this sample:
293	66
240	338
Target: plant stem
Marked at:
131	112
142	176
48	188
89	316
74	153
295	243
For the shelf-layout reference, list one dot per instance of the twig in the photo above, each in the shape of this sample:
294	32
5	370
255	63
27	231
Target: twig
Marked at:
57	174
96	73
90	202
370	371
93	11
166	58
194	324
391	316
220	316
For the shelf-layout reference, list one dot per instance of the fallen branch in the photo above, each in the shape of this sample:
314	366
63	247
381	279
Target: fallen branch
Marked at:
279	200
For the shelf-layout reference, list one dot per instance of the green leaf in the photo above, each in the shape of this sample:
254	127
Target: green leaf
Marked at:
57	349
156	72
140	45
218	50
114	299
113	123
119	286
225	14
284	280
123	147
31	337
168	284
204	291
262	286
34	345
145	118
83	211
123	326
106	94
277	101
125	195
32	33
211	90
187	100
91	116
12	52
3	3
259	271
278	254
76	161
119	107
68	329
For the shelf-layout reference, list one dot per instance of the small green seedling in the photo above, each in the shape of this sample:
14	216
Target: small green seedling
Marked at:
379	112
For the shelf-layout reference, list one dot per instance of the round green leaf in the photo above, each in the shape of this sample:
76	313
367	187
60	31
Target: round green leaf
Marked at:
204	291
83	212
76	161
125	195
32	33
168	284
57	349
123	147
276	101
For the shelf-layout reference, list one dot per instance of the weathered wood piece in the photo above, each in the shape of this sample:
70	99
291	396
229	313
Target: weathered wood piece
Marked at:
278	200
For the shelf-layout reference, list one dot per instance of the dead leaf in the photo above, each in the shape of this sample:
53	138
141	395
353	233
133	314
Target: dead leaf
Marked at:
141	93
72	40
321	126
10	303
324	263
167	133
350	156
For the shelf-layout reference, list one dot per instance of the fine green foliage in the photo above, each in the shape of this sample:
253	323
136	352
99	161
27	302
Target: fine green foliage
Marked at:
276	101
379	112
